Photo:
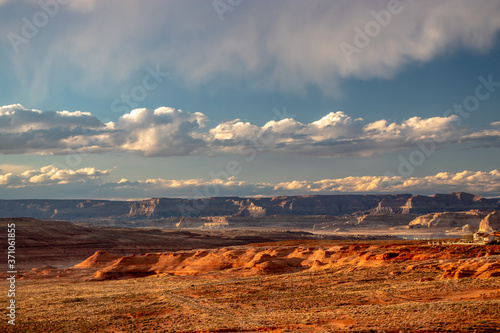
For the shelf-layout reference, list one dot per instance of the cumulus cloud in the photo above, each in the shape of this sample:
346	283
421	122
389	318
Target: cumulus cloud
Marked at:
15	118
24	131
92	182
468	181
336	134
51	175
485	183
171	132
161	132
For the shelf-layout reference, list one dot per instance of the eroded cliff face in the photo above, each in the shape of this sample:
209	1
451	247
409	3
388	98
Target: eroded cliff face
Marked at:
391	205
334	205
144	208
451	219
209	222
490	223
453	202
384	220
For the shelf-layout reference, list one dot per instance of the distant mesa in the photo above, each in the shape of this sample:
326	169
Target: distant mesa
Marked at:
332	205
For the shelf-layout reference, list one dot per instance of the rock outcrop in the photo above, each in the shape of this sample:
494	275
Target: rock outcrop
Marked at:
391	205
98	259
490	223
448	219
209	222
475	260
478	268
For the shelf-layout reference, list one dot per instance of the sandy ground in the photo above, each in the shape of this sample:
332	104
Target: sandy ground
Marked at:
364	290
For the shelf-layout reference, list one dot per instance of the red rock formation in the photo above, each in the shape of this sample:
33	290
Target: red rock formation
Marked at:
286	259
484	268
98	260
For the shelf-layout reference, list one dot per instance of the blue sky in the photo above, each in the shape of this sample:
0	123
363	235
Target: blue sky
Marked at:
130	99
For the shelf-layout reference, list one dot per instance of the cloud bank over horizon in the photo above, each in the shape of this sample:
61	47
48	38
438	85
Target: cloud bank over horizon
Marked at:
94	183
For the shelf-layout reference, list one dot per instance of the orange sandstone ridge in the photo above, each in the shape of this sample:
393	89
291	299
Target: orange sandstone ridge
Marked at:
456	261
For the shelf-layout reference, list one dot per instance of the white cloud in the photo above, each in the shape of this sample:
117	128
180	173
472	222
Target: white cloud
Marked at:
90	182
336	134
171	132
32	131
15	118
51	175
468	181
234	130
161	132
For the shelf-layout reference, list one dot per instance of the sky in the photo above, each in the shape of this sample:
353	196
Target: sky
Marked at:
131	99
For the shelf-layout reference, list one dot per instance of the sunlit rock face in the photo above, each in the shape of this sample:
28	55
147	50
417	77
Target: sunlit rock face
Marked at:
448	219
490	223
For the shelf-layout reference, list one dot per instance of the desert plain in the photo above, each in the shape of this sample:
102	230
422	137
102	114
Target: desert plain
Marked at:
248	281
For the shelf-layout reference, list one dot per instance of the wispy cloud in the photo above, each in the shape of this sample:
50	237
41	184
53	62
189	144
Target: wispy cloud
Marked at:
280	45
